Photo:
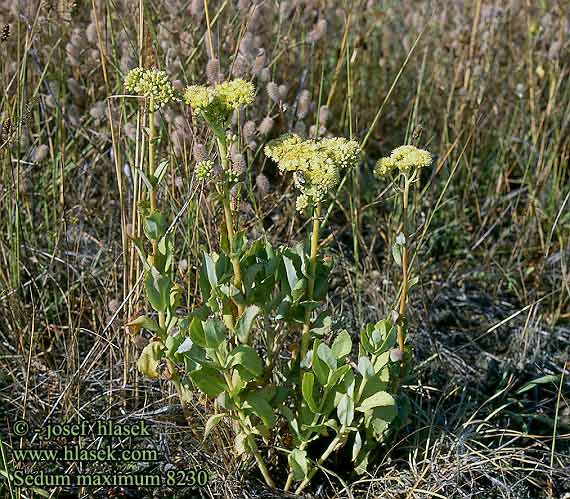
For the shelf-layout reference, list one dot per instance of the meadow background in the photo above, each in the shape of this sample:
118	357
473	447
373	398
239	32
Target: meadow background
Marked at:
483	85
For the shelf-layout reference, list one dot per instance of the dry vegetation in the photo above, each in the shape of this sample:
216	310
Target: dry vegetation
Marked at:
483	85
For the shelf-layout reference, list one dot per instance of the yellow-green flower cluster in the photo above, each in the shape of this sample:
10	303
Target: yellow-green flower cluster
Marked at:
236	93
150	83
316	164
404	158
217	103
198	97
204	169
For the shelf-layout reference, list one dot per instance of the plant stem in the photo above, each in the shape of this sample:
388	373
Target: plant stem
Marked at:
250	439
153	206
152	193
228	218
403	295
304	443
305	336
260	464
330	449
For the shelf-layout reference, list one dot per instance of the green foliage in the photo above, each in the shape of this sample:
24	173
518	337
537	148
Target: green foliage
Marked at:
255	299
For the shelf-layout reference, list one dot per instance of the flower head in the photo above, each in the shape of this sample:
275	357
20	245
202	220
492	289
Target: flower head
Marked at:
204	169
150	83
404	158
316	164
218	102
235	93
198	96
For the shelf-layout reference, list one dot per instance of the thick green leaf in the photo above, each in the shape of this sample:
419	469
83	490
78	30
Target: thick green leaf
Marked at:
238	244
247	357
291	271
214	332
197	334
379	426
299	290
321	280
299	464
209	381
365	367
379	399
173	342
145	179
239	382
307	389
345	410
361	462
327	356
349	381
261	408
155	226
342	345
160	171
210	266
322	325
388	342
157	287
245	322
337	375
373	385
320	368
212	423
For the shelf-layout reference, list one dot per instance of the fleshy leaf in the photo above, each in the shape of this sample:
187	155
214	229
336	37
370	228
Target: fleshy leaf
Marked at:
342	344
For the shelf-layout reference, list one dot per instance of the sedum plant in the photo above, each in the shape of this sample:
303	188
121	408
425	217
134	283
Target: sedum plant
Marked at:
404	164
259	302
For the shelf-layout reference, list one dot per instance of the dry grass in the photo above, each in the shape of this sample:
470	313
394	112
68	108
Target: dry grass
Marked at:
484	85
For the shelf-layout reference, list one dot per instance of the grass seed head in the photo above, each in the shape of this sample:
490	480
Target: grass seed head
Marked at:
40	153
303	104
248	130
213	71
319	30
241	66
265	74
273	91
199	152
238	163
266	125
262	183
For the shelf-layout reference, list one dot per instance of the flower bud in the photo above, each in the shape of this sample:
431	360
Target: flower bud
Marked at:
396	355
